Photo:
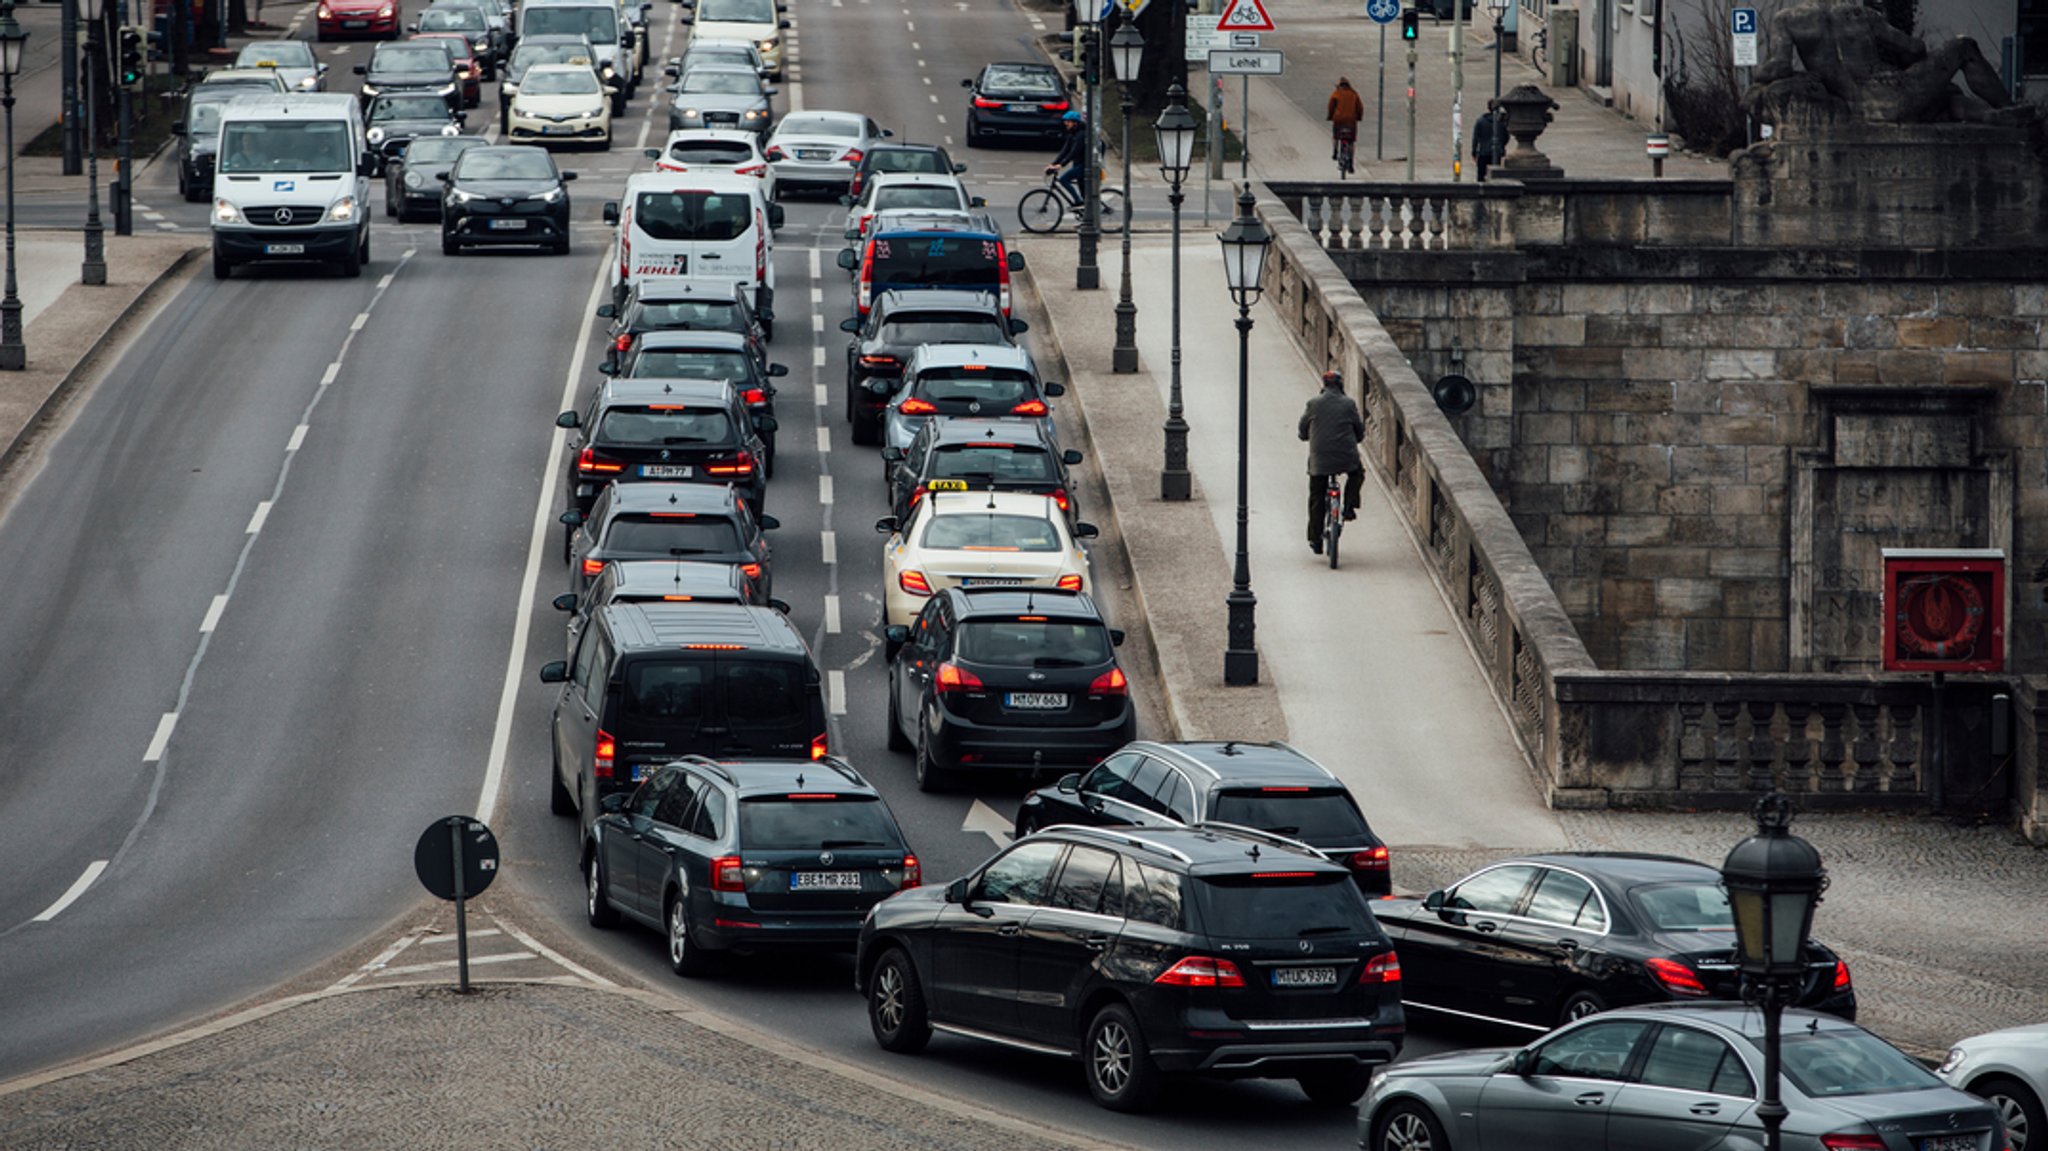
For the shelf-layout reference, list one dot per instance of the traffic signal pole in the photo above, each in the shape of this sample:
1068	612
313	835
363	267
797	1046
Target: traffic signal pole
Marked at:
133	69
1408	36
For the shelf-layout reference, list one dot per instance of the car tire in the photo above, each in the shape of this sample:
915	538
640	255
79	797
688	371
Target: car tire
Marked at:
1027	824
560	800
448	245
867	427
1408	1126
930	776
1578	1005
352	262
685	958
597	893
897	740
896	1009
2018	1107
1117	1061
561	245
222	266
391	205
1336	1088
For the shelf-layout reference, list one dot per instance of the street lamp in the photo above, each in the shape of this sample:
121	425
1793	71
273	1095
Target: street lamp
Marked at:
1245	243
13	38
94	270
1500	16
1774	880
1175	132
1087	20
1127	49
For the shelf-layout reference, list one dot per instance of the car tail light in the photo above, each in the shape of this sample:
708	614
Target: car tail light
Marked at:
953	677
916	407
751	571
1111	682
1371	859
1059	107
743	465
1841	976
820	745
593	567
775	152
754	396
1070	583
589	461
987	104
751	170
913	873
623	342
728	874
880	362
865	295
1003	278
1059	496
913	581
1675	977
866	218
852	157
1201	971
1842	1141
601	758
1382	968
1029	408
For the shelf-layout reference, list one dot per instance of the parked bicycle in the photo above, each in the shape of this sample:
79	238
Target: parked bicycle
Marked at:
1539	51
1042	209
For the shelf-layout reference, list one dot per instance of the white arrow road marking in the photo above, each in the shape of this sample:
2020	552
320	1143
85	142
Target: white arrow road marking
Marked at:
988	821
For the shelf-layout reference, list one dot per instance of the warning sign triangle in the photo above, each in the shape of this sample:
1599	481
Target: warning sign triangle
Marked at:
1245	16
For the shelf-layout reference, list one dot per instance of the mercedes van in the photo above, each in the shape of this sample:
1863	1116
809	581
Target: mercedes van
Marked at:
708	226
611	37
291	182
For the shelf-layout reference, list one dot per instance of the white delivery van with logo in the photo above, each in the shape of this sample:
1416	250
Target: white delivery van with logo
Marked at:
291	182
708	226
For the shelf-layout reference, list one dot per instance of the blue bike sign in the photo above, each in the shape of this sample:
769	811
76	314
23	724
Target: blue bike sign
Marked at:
1383	11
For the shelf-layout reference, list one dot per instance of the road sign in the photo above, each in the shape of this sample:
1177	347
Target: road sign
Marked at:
1202	36
1224	62
456	858
1131	7
1383	11
1742	24
1245	16
1244	41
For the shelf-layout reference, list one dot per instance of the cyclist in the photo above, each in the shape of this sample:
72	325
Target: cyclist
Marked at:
1346	109
1333	428
1073	153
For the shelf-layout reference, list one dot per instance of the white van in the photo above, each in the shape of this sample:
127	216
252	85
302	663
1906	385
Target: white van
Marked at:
697	224
758	22
610	35
292	182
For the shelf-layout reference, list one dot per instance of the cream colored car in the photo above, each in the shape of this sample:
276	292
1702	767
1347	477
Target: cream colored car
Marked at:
977	539
560	104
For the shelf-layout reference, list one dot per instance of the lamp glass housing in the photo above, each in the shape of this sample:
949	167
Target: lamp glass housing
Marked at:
13	39
91	11
1087	14
1127	53
1175	134
1245	243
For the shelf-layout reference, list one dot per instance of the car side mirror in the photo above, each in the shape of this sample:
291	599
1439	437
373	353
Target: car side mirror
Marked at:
1070	457
320	68
1014	261
765	315
685	18
1116	637
769	90
615	802
362	70
846	259
177	129
565	602
555	672
959	169
572	517
413	27
956	891
567	176
784	24
1523	1062
607	311
611	212
850	235
849	324
1070	783
1434	901
781	605
769	523
672	72
775	215
976	202
886	526
887	133
462	118
1086	531
892	455
609	366
1019	327
967	83
1053	389
766	423
896	633
846	201
777	371
568	420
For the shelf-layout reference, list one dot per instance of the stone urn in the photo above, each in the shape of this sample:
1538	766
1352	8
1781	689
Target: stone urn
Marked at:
1528	110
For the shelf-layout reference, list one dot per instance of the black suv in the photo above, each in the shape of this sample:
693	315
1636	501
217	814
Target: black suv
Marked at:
895	326
998	678
650	683
1268	787
1142	953
680	304
693	355
697	431
1015	99
922	159
410	66
702	522
657	581
745	855
1004	454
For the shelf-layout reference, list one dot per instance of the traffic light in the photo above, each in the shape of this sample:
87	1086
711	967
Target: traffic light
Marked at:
132	66
1408	26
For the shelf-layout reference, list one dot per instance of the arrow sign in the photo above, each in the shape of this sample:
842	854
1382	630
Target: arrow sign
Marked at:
1245	16
986	820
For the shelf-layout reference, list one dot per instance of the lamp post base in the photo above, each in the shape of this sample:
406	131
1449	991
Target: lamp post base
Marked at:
1175	484
1174	481
1241	658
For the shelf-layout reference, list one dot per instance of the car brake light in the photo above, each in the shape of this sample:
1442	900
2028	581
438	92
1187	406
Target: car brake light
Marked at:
913	873
743	465
775	152
601	759
623	342
916	407
953	677
820	747
1070	583
1675	977
1059	496
1003	278
754	396
1839	1141
1371	859
1301	789
1029	408
592	567
1841	976
752	571
587	461
852	157
750	170
714	647
1201	971
913	581
1382	968
728	874
867	280
985	103
880	362
1111	682
1059	107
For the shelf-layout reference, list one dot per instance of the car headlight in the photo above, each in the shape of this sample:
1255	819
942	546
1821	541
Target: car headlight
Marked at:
606	72
226	213
462	197
370	89
1956	1058
376	135
483	45
690	113
385	12
551	196
307	82
509	89
767	45
415	180
445	90
342	210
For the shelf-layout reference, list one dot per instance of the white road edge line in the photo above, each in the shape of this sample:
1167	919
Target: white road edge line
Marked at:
71	894
474	960
559	959
161	741
213	613
449	936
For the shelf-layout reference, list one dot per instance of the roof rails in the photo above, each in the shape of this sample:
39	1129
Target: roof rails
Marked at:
723	771
711	765
1125	838
843	768
1243	832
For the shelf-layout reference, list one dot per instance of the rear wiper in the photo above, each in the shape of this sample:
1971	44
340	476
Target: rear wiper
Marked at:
848	843
1282	830
1055	661
684	440
1330	929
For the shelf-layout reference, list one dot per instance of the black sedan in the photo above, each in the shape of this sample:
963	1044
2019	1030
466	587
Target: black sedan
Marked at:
412	183
922	159
1016	101
1539	940
505	194
397	120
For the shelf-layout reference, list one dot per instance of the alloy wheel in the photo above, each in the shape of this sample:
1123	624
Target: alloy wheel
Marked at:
889	997
1406	1131
678	935
1112	1057
2014	1117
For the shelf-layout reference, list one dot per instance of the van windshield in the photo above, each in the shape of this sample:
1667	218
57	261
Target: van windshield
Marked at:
600	23
653	537
285	146
1308	905
756	693
692	215
936	261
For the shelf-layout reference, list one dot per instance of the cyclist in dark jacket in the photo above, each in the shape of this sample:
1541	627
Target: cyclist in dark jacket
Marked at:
1073	153
1333	428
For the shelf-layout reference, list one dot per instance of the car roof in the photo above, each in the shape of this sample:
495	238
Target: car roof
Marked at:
621	390
1209	850
701	626
981	601
724	182
1238	761
907	146
1033	65
240	76
972	221
679	577
1625	868
1741	1018
997	502
959	355
683	288
830	114
751	777
691	338
938	300
640	498
1001	429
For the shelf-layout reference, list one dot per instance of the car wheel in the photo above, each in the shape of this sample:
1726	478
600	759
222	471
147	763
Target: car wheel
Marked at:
930	776
1336	1088
448	245
1408	1127
597	894
561	246
768	451
685	958
2018	1108
561	800
222	266
867	426
896	1008
1117	1061
363	252
1579	1005
897	740
1027	823
391	205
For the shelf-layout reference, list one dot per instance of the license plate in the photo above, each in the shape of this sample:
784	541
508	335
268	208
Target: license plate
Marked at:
824	881
1304	977
355	23
284	249
1036	700
1949	1143
665	471
643	770
1023	107
812	154
506	225
990	581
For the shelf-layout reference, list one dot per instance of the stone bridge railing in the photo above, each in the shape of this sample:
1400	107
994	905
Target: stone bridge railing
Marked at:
1504	215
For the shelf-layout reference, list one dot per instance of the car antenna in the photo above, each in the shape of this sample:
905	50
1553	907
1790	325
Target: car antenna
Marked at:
678	554
799	779
1254	852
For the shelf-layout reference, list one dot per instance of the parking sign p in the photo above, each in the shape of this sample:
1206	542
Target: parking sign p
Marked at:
1742	21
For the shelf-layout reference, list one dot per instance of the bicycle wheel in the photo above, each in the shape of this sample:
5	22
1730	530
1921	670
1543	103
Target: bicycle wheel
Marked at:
1333	530
1344	158
1111	201
1041	210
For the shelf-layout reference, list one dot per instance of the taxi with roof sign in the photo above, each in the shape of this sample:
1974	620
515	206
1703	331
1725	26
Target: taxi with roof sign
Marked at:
978	539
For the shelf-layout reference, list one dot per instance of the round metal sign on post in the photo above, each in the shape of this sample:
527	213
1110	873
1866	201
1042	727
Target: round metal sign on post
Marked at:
1383	12
433	858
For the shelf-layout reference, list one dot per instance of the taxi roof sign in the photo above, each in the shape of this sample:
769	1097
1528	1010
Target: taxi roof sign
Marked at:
1245	16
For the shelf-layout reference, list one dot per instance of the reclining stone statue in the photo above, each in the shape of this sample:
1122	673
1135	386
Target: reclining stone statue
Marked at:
1854	60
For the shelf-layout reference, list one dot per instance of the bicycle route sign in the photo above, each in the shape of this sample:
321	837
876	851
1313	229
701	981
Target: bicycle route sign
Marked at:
1383	11
1245	16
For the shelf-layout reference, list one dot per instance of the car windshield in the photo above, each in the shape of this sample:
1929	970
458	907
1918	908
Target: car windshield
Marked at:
652	536
567	82
720	81
1323	815
1701	906
1011	463
658	427
1020	81
1830	1062
682	315
452	20
286	146
1034	643
957	328
723	152
773	823
736	11
408	107
689	215
600	24
937	260
276	53
803	125
505	164
1283	905
916	196
205	118
994	389
690	365
438	149
409	58
906	160
993	532
717	54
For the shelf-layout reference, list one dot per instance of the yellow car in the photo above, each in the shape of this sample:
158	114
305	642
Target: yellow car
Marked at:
960	538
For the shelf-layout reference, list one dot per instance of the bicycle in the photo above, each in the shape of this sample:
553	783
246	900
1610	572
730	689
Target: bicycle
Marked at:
1042	209
1333	515
1539	52
1347	150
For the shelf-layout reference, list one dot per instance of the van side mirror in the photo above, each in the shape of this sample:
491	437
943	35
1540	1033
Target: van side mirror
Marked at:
1116	637
769	90
572	517
775	215
777	371
1070	457
362	70
1019	327
784	24
886	526
611	212
846	259
967	83
1014	261
781	605
1069	783
1086	531
769	523
366	164
609	366
568	420
849	324
607	311
555	672
565	602
568	176
177	129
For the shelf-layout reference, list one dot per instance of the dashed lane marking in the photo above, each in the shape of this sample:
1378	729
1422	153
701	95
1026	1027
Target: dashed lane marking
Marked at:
815	265
828	542
820	391
165	725
298	439
333	370
824	489
817	321
835	691
213	610
832	615
261	517
71	894
817	295
386	281
818	361
362	318
824	440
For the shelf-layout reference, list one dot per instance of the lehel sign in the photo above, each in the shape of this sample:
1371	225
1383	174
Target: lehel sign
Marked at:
1944	609
1224	62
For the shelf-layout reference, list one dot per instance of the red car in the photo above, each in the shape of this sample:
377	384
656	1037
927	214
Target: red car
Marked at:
467	65
343	19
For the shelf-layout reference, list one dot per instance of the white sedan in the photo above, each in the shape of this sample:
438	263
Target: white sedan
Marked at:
821	148
2009	1070
912	191
560	104
974	539
728	150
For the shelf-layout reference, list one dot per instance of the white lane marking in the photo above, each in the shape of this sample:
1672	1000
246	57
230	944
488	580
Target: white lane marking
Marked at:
817	295
153	217
361	318
333	370
298	439
935	97
450	938
832	615
835	691
824	489
911	25
645	126
382	960
949	139
259	518
822	394
988	821
410	253
818	361
165	725
71	894
555	956
915	46
828	543
166	225
920	63
815	265
796	96
824	439
942	119
213	612
440	964
537	545
817	321
386	281
927	81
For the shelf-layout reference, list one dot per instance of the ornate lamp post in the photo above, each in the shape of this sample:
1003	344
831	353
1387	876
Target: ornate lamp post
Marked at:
94	270
1175	132
13	38
1774	880
1127	50
1245	243
1087	23
1500	16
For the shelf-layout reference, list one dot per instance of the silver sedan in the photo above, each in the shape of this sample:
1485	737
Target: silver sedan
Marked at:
821	148
2010	1069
